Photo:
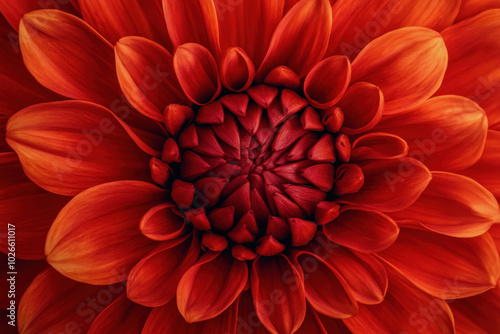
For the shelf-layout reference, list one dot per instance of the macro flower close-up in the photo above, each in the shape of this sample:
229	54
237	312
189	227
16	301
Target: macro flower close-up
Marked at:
250	166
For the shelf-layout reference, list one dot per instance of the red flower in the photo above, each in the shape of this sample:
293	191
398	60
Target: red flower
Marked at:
254	167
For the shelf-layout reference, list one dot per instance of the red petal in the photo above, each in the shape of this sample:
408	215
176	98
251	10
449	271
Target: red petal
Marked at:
333	119
405	309
469	8
438	129
86	147
407	65
465	209
379	146
462	267
237	70
390	185
321	176
283	76
153	281
226	278
236	103
326	212
287	296
204	29
319	88
96	236
300	39
305	197
210	114
197	72
349	179
303	231
163	222
263	95
363	230
312	323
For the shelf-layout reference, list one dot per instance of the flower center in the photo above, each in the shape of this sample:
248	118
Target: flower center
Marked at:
258	171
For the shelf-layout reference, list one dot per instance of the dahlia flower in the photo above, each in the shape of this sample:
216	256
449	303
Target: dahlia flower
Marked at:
250	166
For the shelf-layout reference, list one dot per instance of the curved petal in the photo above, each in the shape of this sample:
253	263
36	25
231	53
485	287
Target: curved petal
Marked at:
485	170
146	76
390	185
460	267
153	281
438	129
25	205
248	322
363	106
197	73
378	145
300	39
163	222
117	19
95	238
237	70
312	323
252	35
404	309
470	8
276	283
226	277
465	208
474	64
86	147
121	316
202	29
54	303
366	231
407	64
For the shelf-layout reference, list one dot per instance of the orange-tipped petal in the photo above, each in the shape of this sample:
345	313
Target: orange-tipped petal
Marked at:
469	8
407	64
226	278
95	238
163	222
464	267
268	284
197	73
86	147
379	146
237	70
300	39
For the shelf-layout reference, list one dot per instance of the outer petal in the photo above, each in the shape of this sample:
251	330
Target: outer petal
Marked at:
28	207
474	65
405	309
202	28
146	75
453	205
153	281
96	238
66	147
460	267
117	19
438	129
237	70
252	35
226	278
121	316
469	8
312	323
54	303
379	145
274	281
390	185
407	64
300	39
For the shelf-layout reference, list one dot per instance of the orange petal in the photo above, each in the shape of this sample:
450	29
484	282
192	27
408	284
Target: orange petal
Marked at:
167	319
237	30
485	171
465	209
53	301
275	282
378	145
300	39
203	28
95	238
357	23
362	105
406	309
469	8
26	205
363	230
226	278
474	64
146	75
153	281
86	147
407	64
115	20
461	267
122	316
438	129
237	70
197	73
390	185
